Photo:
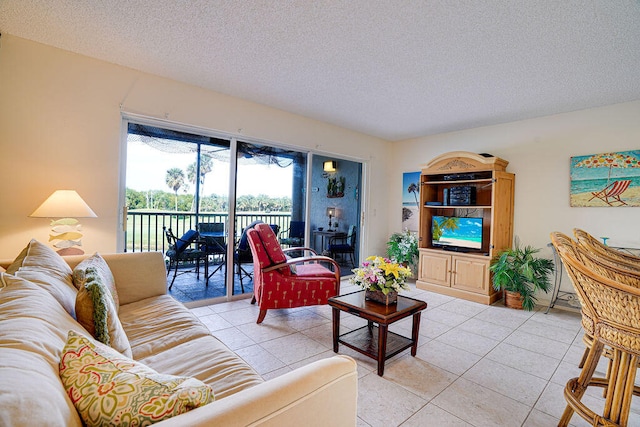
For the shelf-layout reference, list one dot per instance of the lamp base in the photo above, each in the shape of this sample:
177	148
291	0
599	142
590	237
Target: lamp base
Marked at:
67	232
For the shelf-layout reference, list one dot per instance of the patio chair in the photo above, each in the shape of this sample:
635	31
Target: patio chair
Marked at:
294	236
213	243
344	245
179	251
612	191
243	255
281	282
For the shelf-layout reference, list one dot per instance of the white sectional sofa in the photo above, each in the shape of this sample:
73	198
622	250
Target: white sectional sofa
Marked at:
164	336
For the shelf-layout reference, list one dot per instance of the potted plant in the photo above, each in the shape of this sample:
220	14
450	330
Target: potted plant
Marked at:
381	278
403	248
520	274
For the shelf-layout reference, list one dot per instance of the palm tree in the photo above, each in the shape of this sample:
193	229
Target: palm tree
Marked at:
413	188
447	223
206	166
175	180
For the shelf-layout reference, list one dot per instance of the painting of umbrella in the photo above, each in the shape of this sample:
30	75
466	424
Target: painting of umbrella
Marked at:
607	179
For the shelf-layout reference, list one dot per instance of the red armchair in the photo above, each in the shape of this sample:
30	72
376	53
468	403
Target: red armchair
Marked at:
280	282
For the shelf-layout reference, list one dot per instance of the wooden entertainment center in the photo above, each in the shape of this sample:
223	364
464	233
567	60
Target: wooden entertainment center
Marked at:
464	187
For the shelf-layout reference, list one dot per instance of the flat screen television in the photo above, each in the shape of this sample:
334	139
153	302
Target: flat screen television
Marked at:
456	233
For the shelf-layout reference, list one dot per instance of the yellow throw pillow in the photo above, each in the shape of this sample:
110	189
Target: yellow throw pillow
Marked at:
96	261
96	311
110	389
39	264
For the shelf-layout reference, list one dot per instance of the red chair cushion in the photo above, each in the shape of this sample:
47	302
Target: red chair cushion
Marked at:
270	243
313	270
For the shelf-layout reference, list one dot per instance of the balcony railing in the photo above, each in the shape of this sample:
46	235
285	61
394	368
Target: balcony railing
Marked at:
144	228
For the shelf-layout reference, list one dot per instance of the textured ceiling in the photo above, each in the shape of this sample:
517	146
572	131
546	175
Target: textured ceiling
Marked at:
395	69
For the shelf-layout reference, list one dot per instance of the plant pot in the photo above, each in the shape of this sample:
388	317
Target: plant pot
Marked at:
378	296
513	300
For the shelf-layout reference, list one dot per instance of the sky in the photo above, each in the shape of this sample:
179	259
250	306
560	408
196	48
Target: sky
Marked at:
147	169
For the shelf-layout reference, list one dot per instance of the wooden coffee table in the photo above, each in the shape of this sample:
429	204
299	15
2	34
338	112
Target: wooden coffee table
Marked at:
376	341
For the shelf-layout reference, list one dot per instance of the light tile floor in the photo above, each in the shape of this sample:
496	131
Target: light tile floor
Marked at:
476	365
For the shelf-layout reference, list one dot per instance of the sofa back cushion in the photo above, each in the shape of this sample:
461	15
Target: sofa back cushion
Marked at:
32	333
39	264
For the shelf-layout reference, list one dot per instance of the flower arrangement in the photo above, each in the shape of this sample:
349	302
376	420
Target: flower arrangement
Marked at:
381	274
403	247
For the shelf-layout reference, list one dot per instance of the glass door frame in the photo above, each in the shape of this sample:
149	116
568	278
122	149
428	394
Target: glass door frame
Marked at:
127	117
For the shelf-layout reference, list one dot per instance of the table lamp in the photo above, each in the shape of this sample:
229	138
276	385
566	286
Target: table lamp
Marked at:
331	212
67	205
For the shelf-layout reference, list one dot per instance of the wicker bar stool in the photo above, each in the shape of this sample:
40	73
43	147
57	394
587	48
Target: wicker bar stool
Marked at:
593	245
614	309
608	264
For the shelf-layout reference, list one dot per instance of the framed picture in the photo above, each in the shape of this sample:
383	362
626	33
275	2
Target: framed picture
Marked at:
410	200
607	179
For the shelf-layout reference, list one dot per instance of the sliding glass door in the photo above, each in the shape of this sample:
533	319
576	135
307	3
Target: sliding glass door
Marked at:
270	188
182	181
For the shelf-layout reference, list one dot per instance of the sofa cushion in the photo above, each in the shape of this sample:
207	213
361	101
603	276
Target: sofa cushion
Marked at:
209	360
96	311
33	330
108	388
158	323
39	264
167	337
96	261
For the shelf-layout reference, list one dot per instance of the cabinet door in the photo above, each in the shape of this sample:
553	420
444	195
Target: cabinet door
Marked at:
435	268
470	274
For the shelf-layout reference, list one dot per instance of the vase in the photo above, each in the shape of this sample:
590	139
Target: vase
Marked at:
513	300
378	296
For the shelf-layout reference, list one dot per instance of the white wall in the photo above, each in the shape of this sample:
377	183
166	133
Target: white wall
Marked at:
538	151
60	127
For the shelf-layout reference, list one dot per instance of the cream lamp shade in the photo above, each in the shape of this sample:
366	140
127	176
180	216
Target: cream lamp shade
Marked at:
66	231
64	204
330	166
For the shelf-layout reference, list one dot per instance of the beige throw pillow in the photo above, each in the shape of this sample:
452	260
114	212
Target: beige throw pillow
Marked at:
39	264
96	311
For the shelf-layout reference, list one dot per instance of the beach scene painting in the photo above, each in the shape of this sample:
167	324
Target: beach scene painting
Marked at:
410	200
606	179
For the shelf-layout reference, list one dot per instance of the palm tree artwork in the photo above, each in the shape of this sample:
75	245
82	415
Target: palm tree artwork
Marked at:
447	223
175	180
414	189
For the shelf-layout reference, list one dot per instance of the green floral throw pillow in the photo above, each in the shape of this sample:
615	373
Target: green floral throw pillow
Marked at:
96	311
110	389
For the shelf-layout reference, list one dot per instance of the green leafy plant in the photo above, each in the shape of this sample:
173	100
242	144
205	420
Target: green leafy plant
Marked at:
403	247
519	270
